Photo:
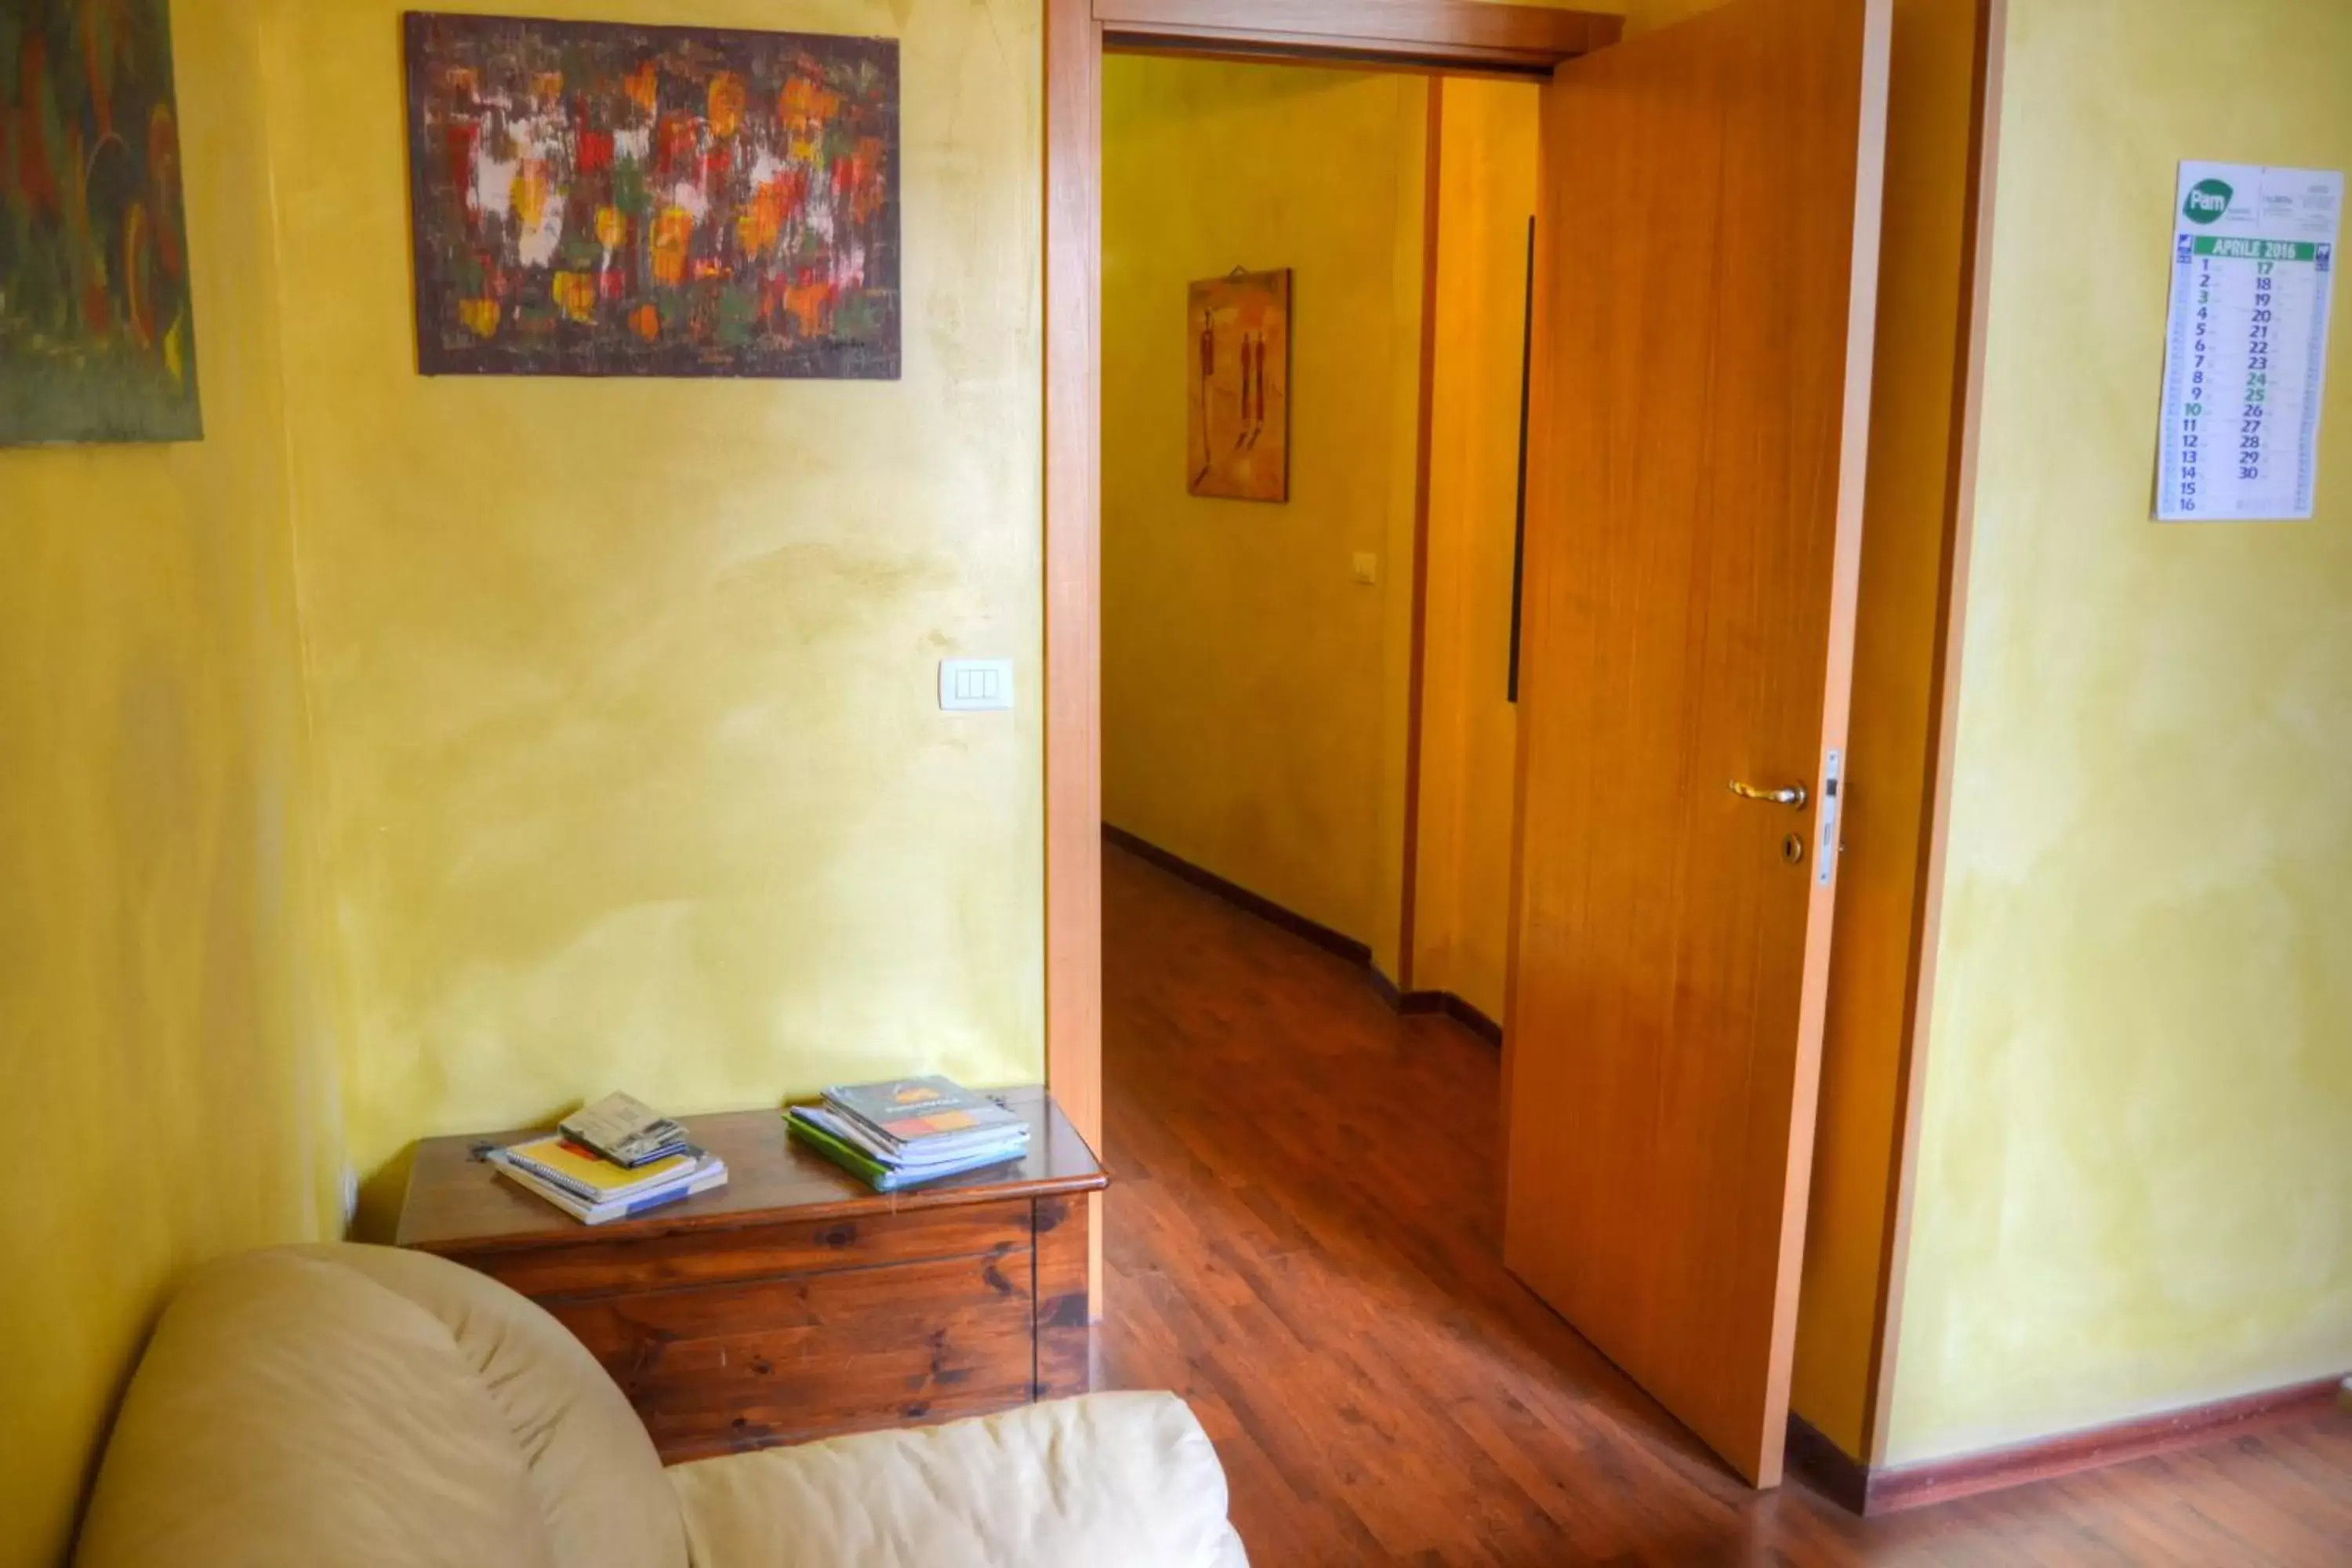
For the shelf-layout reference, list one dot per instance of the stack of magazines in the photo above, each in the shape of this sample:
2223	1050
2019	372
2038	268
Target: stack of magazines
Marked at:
615	1160
909	1130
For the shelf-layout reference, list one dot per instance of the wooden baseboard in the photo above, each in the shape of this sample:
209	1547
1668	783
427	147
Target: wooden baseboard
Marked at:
1834	1473
1336	943
1883	1489
1234	893
1454	1007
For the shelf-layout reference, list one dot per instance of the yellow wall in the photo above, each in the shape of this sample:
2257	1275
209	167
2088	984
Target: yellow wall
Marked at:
1487	152
2135	1179
1253	691
158	1033
634	773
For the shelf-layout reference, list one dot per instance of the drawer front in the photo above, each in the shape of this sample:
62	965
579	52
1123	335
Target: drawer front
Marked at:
713	1368
592	1268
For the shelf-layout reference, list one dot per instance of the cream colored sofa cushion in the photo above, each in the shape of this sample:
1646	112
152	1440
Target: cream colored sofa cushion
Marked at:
314	1407
1124	1479
356	1404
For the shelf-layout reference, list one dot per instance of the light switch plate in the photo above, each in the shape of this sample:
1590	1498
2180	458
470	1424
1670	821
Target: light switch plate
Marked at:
975	685
1367	567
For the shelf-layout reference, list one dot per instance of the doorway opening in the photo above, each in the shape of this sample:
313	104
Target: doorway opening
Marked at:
1521	42
1315	286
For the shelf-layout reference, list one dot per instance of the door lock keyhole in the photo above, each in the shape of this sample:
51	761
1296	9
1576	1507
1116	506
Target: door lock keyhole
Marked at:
1792	849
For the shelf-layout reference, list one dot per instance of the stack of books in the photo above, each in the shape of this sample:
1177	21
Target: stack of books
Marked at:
909	1130
615	1159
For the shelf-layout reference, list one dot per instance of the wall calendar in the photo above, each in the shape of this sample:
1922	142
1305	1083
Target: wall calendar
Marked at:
2254	259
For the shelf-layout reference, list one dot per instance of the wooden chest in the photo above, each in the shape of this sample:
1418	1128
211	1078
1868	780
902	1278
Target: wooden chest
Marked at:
795	1302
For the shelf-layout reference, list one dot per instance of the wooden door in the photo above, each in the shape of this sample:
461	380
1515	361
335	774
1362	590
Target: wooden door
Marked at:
1707	280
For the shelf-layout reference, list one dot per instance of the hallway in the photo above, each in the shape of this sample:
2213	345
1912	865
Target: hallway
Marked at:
1302	1242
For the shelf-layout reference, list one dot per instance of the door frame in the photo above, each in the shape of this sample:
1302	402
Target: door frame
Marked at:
1943	694
1448	36
1453	38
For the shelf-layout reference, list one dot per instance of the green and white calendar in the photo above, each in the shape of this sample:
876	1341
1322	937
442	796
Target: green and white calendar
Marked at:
2253	261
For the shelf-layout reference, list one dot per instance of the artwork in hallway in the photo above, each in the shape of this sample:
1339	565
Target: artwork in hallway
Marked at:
1240	374
599	199
98	339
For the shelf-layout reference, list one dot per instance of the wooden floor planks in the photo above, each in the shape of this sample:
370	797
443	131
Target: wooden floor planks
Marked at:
1304	1241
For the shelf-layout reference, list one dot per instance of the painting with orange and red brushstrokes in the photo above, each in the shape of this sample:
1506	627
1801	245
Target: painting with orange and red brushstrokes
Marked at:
97	337
1238	384
603	199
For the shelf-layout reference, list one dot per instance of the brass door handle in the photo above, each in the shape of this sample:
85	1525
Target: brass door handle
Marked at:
1794	796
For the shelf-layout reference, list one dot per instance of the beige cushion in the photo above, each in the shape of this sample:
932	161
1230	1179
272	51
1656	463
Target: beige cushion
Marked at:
1114	1478
354	1404
332	1406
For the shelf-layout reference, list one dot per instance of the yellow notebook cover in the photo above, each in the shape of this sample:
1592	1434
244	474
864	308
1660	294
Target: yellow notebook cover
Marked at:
577	1167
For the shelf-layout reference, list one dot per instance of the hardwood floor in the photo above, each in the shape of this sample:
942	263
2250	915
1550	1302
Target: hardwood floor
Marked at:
1304	1241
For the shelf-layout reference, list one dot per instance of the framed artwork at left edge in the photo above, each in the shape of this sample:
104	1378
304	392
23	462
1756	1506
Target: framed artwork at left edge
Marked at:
97	334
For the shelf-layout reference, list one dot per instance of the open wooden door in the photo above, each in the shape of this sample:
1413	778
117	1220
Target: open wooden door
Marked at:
1706	287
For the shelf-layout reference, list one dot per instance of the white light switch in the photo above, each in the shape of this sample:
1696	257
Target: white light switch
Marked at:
1367	567
975	685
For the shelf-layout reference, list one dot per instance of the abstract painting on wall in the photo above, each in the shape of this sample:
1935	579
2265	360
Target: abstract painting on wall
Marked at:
97	337
1240	375
600	199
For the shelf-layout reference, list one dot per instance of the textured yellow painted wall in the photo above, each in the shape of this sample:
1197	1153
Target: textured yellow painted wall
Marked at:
2135	1186
1488	149
1253	693
159	1042
633	769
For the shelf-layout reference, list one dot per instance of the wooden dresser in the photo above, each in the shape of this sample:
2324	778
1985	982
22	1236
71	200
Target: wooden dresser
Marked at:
795	1302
